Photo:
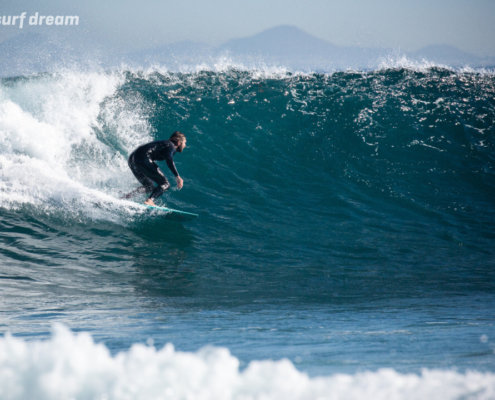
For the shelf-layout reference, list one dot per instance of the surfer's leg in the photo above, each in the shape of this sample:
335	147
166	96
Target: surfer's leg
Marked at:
138	171
154	173
159	190
135	192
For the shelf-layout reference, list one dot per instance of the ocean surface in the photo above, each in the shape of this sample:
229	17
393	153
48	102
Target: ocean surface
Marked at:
344	249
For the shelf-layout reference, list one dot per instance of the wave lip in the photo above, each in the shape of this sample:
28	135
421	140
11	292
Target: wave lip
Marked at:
72	366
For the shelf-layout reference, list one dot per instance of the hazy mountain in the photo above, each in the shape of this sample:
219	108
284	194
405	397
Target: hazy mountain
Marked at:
282	46
290	46
281	42
451	56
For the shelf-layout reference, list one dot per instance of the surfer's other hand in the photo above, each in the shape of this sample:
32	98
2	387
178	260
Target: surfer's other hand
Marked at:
180	182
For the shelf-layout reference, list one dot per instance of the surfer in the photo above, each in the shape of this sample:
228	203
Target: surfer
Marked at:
143	166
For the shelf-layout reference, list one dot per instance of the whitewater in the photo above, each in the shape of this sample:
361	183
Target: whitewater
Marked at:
343	249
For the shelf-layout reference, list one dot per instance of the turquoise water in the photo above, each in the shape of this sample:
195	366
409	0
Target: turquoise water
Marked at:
345	219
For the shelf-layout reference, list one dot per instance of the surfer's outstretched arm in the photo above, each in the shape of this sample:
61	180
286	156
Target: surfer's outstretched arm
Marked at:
171	165
179	181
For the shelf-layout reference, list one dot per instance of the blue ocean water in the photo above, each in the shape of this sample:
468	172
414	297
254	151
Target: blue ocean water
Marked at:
345	224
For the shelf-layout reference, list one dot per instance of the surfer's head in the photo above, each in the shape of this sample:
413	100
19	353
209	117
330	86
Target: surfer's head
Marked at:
179	140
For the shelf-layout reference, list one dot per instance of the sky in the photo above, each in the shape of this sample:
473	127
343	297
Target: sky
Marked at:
138	24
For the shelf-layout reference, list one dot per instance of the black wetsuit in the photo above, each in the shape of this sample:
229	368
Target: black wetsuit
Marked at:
142	164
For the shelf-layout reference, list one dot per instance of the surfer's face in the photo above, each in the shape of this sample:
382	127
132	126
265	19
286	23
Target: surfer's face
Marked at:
181	146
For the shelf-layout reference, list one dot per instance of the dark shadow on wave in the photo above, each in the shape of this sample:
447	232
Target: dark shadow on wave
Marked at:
158	230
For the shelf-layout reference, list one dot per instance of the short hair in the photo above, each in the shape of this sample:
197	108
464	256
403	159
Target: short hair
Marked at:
177	137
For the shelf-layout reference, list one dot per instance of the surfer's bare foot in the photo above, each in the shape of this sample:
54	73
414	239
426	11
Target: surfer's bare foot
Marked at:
150	202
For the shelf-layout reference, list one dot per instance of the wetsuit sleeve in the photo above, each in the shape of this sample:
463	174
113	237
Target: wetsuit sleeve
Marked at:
162	150
170	162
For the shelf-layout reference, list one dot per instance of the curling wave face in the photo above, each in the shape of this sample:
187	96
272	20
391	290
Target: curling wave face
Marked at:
66	137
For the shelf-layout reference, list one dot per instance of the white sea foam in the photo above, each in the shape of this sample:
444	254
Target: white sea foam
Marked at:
72	366
51	153
262	69
257	70
398	60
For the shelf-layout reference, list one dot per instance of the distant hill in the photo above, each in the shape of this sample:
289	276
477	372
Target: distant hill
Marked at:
281	42
286	46
291	47
451	56
283	45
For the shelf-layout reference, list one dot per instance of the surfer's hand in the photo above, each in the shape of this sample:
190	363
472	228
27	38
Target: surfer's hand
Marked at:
180	182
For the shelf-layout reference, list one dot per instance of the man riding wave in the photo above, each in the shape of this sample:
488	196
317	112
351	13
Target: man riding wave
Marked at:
143	166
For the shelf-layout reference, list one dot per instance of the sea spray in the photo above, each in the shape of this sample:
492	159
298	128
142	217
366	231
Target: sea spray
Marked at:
53	152
72	366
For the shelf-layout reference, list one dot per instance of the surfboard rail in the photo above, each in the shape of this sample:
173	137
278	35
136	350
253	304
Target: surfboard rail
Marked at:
171	214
